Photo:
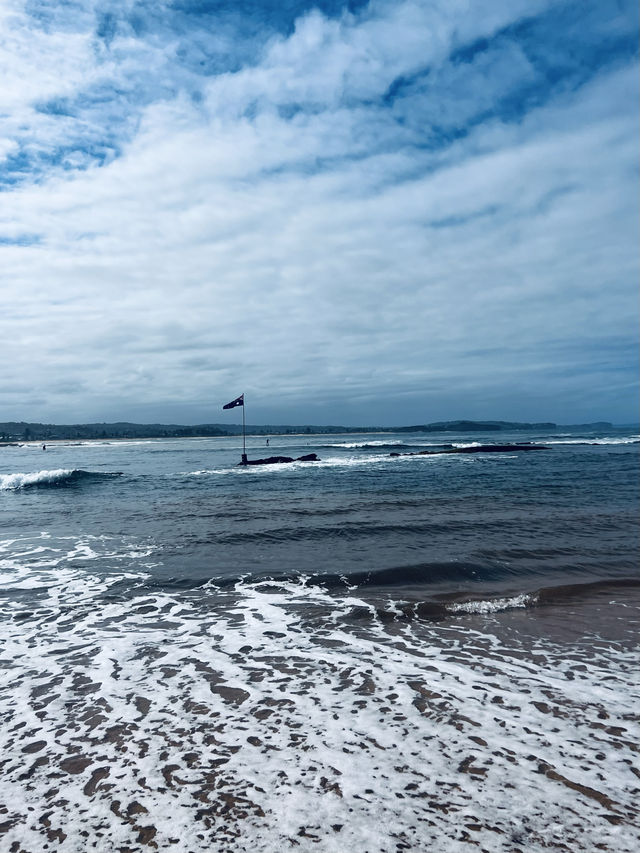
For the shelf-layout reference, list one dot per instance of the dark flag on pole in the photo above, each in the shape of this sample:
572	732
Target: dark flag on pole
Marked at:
239	401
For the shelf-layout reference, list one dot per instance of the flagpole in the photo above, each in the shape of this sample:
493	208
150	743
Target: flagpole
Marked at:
244	447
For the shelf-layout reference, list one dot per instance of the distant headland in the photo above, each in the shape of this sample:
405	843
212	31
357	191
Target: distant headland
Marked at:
16	431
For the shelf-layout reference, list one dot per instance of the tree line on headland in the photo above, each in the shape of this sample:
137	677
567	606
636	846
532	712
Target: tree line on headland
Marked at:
13	431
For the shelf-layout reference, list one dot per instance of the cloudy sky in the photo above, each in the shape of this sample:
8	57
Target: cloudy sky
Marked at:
381	212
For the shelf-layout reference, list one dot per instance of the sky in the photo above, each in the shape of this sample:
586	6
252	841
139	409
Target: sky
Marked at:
380	213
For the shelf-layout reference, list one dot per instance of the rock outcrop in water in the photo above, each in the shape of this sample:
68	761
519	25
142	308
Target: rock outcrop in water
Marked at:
481	448
280	460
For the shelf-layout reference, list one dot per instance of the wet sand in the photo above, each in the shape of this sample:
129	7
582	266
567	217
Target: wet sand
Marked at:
265	719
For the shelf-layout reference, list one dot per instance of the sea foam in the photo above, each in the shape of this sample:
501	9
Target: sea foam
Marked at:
257	721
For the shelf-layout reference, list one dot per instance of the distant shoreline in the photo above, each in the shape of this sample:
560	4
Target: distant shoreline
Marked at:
14	433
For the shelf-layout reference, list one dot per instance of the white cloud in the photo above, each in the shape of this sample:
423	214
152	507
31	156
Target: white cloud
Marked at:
325	255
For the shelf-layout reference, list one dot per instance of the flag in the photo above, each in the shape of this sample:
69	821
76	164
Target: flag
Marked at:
239	401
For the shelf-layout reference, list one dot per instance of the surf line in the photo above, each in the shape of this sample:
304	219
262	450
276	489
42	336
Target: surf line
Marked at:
481	448
270	460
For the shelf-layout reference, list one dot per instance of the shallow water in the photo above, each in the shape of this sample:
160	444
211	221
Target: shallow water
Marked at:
367	654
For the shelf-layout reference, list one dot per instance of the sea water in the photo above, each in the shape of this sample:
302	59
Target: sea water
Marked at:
366	653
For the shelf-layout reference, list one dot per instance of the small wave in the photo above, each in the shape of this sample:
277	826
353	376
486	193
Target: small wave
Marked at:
367	445
384	445
55	477
595	441
403	576
103	442
433	610
543	596
494	605
560	594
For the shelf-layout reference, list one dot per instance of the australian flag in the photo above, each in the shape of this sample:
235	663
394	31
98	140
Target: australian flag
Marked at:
239	401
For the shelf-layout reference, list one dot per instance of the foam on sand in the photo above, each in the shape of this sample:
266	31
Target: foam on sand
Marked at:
261	718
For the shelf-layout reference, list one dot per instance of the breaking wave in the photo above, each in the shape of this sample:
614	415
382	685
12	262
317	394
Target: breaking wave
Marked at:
55	477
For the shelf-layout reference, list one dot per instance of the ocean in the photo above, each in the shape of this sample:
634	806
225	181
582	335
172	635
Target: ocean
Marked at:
365	654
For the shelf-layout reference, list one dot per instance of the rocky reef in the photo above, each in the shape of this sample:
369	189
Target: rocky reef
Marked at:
280	460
